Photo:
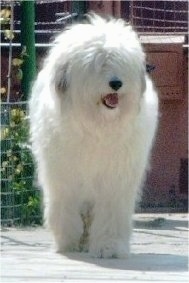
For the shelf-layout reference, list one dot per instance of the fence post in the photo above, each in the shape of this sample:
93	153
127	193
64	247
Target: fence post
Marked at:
28	42
78	7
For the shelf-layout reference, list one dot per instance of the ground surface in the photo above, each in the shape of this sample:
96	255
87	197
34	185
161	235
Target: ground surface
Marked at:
159	253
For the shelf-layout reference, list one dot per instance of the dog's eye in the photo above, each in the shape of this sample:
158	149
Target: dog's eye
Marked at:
150	68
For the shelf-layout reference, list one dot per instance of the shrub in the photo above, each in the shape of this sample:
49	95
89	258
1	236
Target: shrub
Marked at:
20	197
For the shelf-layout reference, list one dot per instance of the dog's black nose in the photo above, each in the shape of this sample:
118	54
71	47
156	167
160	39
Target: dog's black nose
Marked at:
115	84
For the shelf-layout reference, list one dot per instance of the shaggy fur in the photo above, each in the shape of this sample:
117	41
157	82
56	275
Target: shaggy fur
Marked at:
92	142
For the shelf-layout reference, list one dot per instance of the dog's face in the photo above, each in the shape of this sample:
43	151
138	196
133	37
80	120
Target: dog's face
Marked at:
99	69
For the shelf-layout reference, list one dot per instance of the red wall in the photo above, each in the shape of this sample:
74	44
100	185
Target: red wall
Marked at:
170	147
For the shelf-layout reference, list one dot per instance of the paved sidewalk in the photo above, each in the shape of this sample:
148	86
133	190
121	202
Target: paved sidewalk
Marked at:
159	253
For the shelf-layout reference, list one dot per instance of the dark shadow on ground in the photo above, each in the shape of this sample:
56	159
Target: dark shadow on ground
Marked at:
160	223
138	262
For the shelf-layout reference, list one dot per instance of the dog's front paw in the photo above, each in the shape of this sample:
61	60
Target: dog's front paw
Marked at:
109	250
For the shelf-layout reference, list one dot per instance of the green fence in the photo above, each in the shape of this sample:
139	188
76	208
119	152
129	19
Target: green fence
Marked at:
20	196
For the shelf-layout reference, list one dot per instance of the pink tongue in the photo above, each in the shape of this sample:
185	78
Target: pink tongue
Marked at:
111	100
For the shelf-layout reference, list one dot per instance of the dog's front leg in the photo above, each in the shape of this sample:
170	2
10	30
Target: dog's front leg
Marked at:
64	221
111	228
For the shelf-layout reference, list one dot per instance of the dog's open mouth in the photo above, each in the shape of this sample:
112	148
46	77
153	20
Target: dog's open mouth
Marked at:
110	100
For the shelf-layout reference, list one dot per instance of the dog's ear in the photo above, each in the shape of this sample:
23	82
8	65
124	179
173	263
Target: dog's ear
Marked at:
143	82
61	79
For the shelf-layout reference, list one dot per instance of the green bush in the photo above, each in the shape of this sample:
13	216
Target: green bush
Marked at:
20	198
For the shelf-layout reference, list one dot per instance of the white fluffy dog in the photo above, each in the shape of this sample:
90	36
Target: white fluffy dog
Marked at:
93	115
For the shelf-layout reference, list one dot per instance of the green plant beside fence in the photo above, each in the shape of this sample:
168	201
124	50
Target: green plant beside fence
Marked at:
20	198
